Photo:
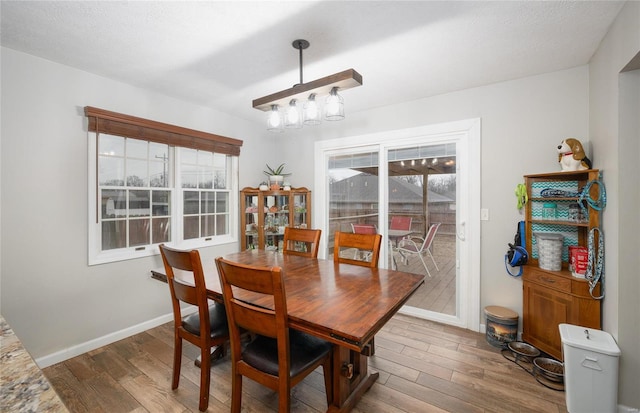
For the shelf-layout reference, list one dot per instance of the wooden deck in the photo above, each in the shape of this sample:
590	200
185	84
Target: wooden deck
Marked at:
438	293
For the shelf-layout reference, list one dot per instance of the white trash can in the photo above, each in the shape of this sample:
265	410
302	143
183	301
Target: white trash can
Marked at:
590	369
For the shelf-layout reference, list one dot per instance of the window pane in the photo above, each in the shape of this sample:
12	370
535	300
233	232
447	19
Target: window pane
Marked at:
158	172
189	176
191	227
189	156
161	203
222	202
110	145
161	230
208	225
205	158
137	173
139	232
208	202
139	204
158	151
220	179
222	224
220	171
191	199
114	235
113	203
206	177
111	171
137	149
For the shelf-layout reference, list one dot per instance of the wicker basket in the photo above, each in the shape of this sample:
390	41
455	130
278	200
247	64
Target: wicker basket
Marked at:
549	250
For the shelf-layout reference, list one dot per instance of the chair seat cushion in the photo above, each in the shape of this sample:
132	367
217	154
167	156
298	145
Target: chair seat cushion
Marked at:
262	352
217	319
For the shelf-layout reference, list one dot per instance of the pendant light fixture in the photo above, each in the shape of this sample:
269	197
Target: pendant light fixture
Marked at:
286	110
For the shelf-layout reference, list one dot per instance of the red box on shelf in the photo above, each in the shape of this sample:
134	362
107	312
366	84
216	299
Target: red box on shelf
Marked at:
578	258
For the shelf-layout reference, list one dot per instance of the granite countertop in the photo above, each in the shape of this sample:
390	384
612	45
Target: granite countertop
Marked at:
23	386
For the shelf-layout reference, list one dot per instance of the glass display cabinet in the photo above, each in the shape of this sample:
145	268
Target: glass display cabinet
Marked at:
265	214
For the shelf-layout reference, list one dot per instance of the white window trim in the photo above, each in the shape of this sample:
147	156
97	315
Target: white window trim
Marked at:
96	256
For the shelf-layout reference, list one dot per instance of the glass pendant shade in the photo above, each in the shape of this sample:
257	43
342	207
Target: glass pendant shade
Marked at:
274	120
293	117
312	113
334	106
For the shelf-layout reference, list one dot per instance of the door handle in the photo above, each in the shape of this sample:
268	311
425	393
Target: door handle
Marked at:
462	233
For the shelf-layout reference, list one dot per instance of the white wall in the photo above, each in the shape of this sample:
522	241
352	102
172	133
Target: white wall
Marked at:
614	132
523	121
49	295
54	301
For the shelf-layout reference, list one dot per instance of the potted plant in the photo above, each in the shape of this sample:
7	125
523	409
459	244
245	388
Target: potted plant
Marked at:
276	176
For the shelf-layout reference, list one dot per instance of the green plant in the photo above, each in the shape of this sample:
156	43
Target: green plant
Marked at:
277	171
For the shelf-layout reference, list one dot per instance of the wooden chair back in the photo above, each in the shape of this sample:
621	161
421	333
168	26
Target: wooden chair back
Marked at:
205	329
369	243
309	239
267	317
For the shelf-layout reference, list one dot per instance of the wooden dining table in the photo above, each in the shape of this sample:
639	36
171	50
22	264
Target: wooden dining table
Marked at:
341	303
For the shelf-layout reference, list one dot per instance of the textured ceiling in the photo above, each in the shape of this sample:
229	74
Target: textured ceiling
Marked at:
225	54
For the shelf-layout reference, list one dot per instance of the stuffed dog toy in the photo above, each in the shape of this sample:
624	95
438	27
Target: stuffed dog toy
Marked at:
571	155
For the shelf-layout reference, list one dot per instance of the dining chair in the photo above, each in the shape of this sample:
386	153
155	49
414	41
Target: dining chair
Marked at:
367	243
370	244
399	222
418	246
278	357
303	242
207	328
364	229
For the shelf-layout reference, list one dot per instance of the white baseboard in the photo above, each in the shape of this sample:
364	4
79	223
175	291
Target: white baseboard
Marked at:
82	348
625	409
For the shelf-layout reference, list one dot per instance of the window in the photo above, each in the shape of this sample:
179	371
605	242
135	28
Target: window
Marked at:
146	188
134	192
205	194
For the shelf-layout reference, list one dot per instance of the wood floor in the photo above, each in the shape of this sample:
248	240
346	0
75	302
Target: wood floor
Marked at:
424	367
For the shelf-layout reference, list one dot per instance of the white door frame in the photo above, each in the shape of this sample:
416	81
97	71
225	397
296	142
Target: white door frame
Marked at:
467	134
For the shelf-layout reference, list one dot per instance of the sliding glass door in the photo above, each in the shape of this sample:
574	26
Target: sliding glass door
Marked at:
421	218
419	188
353	182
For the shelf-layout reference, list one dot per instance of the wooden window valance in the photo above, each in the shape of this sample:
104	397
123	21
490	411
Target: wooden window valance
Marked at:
113	123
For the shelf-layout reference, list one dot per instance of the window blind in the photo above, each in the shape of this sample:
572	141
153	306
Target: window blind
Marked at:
119	124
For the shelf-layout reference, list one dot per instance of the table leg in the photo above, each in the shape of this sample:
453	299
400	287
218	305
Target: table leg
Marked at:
351	379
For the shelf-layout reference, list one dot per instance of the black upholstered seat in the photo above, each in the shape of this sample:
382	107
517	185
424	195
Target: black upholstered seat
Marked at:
305	350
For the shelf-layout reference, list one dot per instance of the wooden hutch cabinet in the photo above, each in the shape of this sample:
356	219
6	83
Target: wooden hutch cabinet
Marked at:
264	214
555	297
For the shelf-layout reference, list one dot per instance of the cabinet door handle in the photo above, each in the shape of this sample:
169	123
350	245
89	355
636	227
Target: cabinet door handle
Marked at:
548	280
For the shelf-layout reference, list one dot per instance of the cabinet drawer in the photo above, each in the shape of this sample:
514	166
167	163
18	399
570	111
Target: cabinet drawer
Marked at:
549	280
